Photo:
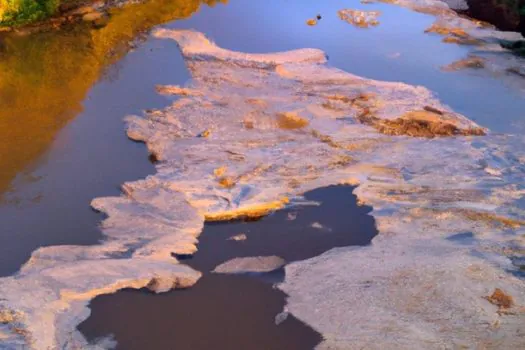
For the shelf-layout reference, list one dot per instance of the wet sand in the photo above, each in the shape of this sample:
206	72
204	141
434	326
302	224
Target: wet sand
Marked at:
236	311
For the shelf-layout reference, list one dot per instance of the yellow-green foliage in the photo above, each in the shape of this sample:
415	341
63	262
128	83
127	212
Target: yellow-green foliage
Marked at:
14	12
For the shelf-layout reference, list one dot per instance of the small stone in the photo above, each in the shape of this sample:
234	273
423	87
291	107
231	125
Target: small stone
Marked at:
311	22
291	121
362	19
227	182
238	238
320	226
281	317
92	16
81	11
501	299
220	171
205	133
317	225
472	62
258	264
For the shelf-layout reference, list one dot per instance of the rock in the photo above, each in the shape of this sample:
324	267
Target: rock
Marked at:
501	299
291	121
319	226
101	22
503	14
456	5
519	71
518	47
227	181
311	22
281	317
428	122
177	90
361	19
239	237
80	11
92	16
453	35
461	41
472	62
258	264
205	133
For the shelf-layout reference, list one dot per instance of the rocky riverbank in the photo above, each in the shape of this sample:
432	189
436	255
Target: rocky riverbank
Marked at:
95	12
504	14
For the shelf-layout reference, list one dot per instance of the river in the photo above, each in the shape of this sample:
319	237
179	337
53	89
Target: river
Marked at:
64	95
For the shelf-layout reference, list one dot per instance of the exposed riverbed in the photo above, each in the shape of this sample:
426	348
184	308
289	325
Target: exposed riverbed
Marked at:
91	157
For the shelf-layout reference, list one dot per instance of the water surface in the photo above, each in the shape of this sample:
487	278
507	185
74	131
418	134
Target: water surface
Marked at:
64	95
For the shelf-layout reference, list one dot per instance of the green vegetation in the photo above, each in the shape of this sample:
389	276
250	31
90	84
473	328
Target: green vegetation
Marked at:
16	12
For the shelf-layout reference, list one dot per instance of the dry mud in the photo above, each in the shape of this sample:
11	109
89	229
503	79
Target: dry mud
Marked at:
250	134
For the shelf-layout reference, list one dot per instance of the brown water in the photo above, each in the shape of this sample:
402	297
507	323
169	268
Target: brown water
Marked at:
231	311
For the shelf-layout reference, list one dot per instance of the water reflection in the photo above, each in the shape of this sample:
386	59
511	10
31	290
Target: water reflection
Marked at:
45	77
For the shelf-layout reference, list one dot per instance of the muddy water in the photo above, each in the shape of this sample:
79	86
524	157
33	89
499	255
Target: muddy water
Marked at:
237	312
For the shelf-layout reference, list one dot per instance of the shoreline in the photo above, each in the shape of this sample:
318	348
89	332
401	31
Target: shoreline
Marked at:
236	310
154	194
97	12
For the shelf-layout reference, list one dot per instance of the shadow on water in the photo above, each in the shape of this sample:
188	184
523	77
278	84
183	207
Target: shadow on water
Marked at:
236	311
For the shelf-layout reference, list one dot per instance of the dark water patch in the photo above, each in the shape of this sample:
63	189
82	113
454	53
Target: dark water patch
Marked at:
295	233
46	77
219	312
227	311
90	157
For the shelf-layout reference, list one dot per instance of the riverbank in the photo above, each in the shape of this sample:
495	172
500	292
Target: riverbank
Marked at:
236	310
67	63
424	191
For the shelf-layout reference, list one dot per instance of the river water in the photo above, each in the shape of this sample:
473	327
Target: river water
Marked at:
64	94
79	74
